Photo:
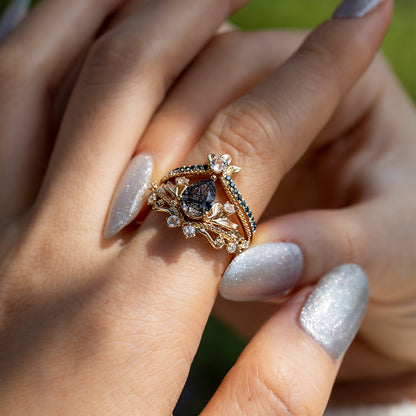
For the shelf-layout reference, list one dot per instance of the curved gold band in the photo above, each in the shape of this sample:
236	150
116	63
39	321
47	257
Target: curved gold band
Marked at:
190	201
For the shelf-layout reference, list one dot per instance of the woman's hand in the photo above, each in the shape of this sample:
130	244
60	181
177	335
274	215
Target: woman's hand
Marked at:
91	325
349	199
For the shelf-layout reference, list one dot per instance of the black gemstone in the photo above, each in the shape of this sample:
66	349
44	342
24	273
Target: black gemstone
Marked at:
198	198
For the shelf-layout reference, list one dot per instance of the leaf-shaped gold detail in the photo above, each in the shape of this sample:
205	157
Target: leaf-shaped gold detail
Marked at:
225	222
211	157
230	170
173	190
215	211
226	158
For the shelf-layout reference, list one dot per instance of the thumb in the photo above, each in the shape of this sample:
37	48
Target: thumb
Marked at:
290	366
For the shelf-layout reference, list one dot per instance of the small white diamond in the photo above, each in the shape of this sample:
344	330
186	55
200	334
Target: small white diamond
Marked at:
189	231
229	208
245	244
231	248
218	164
152	199
173	221
182	181
219	241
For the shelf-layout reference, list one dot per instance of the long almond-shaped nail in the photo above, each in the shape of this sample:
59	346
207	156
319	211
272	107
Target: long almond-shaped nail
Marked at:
262	272
12	16
333	311
130	194
350	9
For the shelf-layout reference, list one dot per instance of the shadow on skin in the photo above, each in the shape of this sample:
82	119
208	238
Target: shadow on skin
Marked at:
30	322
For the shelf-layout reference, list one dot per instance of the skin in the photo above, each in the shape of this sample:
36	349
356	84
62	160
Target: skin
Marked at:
91	326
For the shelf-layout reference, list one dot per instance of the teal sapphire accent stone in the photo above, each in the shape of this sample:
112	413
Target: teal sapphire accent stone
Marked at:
198	198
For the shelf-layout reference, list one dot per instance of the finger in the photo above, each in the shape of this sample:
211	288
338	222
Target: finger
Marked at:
272	127
46	43
73	25
230	66
127	73
289	367
328	237
293	250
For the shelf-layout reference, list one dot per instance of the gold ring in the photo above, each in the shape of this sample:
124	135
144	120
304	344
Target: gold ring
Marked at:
190	201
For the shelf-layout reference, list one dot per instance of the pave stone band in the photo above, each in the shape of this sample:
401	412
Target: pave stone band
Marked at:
188	194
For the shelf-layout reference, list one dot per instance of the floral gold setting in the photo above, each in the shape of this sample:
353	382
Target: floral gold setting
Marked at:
188	194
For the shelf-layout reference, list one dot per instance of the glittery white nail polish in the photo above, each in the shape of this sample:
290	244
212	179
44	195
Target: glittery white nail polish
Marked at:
350	9
333	311
130	194
12	16
262	272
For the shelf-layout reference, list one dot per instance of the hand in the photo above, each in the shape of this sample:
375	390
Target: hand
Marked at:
95	326
340	204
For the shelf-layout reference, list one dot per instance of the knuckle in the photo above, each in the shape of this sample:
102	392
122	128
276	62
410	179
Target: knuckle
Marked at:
322	62
353	235
248	127
267	394
112	54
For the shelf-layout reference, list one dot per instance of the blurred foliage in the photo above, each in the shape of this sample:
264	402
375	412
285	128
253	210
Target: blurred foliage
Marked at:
220	347
399	45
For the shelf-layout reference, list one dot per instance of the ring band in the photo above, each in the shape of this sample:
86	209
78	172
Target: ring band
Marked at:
190	201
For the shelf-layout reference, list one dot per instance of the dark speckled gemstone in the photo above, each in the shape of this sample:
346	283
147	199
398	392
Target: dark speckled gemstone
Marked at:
198	198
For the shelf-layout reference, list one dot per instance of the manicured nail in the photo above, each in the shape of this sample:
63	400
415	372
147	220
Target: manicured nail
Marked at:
130	193
333	311
350	9
12	16
262	272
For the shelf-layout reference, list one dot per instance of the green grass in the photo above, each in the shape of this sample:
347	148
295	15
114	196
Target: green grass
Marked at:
399	45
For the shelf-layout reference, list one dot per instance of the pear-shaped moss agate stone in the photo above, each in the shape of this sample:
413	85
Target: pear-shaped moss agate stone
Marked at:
197	199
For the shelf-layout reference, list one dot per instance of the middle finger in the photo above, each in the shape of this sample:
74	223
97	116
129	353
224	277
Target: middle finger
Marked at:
125	77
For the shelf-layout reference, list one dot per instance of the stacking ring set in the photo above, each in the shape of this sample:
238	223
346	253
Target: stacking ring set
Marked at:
188	195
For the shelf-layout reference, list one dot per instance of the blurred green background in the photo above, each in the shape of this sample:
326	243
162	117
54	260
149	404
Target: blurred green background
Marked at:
220	347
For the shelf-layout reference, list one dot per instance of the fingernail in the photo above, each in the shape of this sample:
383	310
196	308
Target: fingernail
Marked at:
12	16
130	193
333	312
262	272
350	9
